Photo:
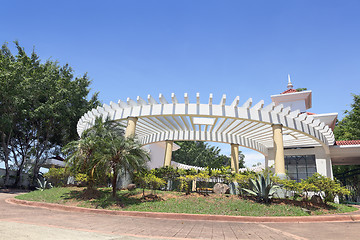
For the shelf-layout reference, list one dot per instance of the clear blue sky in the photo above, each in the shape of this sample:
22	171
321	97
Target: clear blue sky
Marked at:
245	48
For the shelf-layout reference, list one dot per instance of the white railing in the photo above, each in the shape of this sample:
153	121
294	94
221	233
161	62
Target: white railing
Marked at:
184	166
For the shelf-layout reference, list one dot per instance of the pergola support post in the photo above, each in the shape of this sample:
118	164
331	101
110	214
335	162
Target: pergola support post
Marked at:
279	151
168	152
235	157
131	126
123	178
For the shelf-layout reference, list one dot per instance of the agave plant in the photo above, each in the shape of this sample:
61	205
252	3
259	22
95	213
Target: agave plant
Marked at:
43	185
262	187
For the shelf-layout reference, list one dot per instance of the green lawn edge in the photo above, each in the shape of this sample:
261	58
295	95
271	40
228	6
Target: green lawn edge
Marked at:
195	204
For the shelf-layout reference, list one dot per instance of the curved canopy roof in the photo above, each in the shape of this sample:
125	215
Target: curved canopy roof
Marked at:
247	125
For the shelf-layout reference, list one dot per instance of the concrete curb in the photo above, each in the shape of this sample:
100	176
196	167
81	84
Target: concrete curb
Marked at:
197	217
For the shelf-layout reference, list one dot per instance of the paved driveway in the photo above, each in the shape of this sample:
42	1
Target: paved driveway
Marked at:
22	222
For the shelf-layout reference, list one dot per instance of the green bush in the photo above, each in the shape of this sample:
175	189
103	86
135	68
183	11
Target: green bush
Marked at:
154	182
148	179
57	176
291	186
185	182
185	177
317	183
81	178
327	187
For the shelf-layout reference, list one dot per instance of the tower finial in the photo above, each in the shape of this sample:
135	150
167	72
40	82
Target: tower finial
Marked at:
289	86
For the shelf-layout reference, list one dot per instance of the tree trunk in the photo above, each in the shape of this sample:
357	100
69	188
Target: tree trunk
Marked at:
18	177
7	174
35	175
19	172
22	150
5	145
114	182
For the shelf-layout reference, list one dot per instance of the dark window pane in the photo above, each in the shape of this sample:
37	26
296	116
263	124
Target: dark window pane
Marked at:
300	167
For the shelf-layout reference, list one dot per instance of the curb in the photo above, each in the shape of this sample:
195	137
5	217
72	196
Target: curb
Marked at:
194	217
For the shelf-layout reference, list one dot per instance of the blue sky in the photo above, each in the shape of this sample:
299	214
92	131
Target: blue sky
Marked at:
245	48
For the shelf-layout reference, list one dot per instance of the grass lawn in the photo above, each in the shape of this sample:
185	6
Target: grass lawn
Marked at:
176	202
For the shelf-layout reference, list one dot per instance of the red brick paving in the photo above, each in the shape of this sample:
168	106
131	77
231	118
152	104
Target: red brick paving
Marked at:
172	228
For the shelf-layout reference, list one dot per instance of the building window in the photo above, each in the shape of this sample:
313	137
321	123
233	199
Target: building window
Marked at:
300	167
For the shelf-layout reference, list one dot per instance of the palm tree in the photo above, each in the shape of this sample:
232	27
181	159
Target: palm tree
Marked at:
84	155
105	148
122	155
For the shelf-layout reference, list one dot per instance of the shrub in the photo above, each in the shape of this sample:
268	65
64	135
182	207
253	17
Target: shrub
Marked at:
306	187
317	183
167	172
185	182
148	179
57	176
154	182
291	186
81	178
326	187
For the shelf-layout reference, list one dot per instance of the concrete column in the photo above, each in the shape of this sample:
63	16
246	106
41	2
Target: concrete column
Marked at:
235	157
266	162
168	152
279	150
124	177
323	162
131	126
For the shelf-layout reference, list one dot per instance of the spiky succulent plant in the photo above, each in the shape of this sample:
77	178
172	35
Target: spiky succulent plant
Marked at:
262	187
43	185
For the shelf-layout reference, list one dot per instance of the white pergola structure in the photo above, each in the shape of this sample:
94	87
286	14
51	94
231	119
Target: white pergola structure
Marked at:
267	130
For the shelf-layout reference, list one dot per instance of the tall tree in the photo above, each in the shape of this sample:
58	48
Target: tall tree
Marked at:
9	104
39	108
349	127
202	154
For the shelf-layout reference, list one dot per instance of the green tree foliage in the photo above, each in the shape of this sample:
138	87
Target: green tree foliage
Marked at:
40	104
202	154
349	177
349	127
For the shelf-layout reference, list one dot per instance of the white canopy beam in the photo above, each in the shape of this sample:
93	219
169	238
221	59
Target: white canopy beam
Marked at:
246	125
